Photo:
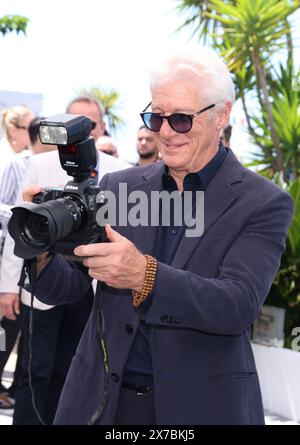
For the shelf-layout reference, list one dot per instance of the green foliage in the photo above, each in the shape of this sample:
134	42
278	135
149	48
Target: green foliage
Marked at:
285	291
248	33
10	23
286	111
253	26
285	90
251	35
198	19
109	99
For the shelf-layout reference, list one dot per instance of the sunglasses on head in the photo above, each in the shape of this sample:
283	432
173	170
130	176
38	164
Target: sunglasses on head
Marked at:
179	122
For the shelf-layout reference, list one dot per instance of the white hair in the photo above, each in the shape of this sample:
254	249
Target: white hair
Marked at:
201	65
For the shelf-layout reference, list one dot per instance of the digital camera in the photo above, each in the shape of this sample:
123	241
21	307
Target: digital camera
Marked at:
58	220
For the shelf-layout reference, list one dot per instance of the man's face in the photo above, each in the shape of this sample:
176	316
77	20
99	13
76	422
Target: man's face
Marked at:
38	147
146	145
90	110
20	133
105	144
186	152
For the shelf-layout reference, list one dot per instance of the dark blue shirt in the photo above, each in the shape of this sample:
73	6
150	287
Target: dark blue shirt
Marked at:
138	369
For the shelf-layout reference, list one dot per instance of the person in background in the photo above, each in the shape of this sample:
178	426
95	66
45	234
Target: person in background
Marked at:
106	145
146	146
89	106
10	179
14	124
14	169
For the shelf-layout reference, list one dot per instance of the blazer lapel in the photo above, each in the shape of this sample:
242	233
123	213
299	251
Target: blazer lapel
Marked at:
218	196
144	237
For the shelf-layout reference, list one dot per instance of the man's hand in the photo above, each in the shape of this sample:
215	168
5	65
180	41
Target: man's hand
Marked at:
118	264
29	192
10	305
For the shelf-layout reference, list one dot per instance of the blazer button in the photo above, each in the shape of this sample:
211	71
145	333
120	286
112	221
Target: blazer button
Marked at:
115	377
129	329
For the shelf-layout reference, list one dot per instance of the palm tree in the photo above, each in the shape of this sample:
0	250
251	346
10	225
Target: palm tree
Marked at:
248	33
284	87
109	99
203	25
10	23
255	28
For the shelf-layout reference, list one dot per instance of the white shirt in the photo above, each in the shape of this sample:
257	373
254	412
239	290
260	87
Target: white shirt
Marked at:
11	177
6	152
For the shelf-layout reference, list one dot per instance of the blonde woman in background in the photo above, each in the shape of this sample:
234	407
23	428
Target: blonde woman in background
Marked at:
14	125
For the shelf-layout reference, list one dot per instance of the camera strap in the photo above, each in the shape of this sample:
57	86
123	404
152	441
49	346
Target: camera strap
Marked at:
28	280
24	280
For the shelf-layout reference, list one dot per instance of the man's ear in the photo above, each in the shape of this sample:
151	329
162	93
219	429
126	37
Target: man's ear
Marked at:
103	127
224	115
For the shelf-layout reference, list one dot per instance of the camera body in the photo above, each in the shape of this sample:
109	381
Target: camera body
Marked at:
82	200
58	220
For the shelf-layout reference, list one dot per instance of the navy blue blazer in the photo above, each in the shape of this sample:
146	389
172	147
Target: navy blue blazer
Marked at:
200	316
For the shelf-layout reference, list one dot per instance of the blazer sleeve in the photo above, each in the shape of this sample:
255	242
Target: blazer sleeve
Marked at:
229	303
62	282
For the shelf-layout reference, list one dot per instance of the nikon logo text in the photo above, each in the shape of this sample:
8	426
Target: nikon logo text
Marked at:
71	187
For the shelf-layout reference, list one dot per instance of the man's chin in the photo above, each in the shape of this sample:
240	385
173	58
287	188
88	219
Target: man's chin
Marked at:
147	155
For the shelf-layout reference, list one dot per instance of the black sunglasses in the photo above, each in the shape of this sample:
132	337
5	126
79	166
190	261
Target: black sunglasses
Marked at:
179	122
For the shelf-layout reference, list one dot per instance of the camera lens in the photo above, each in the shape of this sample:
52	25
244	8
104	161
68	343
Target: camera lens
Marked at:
36	230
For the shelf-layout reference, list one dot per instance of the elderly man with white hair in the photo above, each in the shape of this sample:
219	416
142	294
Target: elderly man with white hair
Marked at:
168	340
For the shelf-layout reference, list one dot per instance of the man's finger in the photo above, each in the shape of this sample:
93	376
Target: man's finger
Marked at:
29	192
16	306
10	315
99	249
112	235
95	262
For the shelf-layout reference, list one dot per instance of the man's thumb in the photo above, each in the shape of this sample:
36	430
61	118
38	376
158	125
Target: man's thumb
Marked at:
112	235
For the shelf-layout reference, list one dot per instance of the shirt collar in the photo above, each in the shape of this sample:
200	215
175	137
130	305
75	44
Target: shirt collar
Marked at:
201	179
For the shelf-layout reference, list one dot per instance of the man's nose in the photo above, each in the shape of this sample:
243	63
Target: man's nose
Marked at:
166	130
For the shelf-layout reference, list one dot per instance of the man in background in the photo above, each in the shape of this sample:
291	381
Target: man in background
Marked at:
146	147
106	144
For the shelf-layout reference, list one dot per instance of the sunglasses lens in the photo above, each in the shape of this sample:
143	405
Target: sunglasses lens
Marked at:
152	121
181	123
94	125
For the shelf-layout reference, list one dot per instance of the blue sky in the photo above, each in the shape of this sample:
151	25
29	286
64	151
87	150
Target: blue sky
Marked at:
72	44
